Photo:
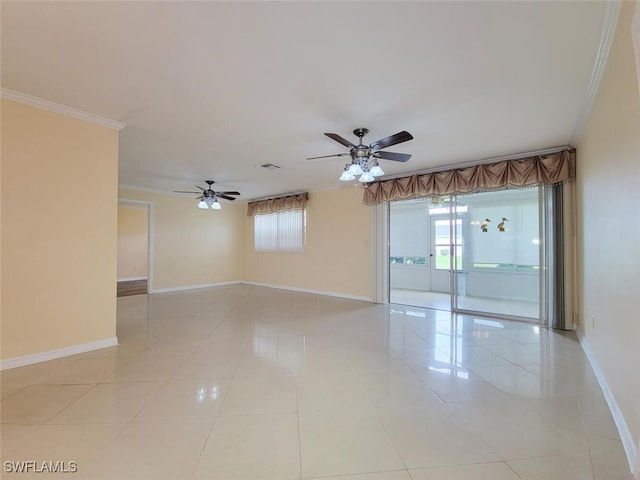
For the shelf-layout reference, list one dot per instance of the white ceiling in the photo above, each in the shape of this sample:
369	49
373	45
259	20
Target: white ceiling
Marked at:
212	89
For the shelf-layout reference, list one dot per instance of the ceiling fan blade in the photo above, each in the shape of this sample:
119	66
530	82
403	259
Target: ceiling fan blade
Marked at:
328	156
391	140
396	157
227	193
203	189
339	139
226	197
181	191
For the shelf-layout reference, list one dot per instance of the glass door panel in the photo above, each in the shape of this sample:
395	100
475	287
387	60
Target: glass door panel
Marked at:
409	260
498	271
442	247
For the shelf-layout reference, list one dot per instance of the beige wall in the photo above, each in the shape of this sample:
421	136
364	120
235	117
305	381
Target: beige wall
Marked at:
609	225
58	246
191	246
133	238
337	255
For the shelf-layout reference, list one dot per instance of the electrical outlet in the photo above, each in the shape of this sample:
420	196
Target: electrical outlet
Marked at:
593	321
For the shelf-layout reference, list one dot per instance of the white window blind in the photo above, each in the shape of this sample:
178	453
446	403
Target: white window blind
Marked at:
279	232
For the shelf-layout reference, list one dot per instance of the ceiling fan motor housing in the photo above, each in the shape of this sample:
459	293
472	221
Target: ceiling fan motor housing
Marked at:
360	132
361	152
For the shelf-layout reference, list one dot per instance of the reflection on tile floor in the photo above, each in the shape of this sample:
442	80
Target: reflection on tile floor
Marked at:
255	383
442	301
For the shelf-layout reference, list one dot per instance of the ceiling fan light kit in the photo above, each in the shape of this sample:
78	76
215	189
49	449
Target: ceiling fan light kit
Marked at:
376	170
209	202
208	198
356	169
366	177
347	176
364	159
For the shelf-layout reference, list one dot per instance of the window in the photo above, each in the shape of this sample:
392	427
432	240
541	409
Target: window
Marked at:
408	260
515	247
280	232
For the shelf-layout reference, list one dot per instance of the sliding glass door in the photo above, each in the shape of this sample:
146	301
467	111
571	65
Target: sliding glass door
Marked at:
499	270
478	253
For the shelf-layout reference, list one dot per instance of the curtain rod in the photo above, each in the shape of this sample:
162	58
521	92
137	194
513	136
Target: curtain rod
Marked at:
271	197
515	156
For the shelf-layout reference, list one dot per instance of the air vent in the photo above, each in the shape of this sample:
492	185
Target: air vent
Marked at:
270	166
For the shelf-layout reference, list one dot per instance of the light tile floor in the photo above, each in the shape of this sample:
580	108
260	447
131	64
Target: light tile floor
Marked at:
442	301
245	382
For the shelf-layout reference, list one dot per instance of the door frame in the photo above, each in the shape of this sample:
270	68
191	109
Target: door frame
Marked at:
380	280
149	206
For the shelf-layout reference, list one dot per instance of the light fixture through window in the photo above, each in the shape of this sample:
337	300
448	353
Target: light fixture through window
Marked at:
436	201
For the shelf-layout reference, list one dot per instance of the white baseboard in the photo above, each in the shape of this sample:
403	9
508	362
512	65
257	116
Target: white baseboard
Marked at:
57	353
308	290
628	444
131	279
193	287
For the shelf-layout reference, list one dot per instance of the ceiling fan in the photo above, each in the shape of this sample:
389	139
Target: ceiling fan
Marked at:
208	197
364	158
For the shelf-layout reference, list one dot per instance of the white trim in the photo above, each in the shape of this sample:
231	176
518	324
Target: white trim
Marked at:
612	11
57	353
308	290
159	191
243	201
193	287
131	279
61	109
625	434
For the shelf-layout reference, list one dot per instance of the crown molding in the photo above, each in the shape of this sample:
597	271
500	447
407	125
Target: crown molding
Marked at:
157	191
611	14
137	188
61	109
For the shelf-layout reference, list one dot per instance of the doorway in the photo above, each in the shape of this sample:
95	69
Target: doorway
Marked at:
134	260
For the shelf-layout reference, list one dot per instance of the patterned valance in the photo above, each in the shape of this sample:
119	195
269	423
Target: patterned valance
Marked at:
279	204
539	170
